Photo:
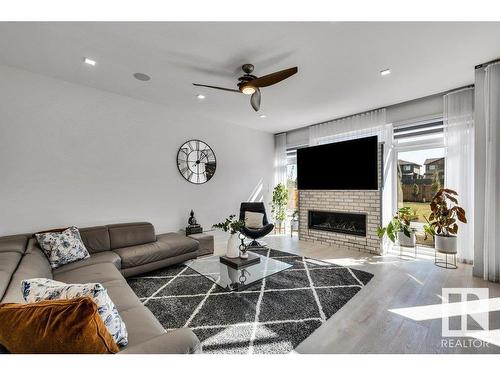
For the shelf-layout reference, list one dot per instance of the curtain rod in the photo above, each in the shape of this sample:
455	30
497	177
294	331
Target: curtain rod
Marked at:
483	65
345	117
471	86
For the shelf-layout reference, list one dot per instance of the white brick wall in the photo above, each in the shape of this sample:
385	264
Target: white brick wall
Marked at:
354	201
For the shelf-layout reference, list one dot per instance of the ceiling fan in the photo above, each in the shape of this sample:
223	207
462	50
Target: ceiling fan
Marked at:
250	84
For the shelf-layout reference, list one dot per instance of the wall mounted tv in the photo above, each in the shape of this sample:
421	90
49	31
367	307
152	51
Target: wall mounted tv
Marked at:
348	165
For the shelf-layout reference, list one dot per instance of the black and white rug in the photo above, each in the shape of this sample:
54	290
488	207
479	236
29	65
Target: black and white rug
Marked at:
272	316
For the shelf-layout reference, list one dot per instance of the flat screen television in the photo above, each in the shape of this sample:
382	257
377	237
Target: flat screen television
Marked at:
348	165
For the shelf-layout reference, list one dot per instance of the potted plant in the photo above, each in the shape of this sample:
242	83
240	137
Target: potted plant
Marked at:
399	227
278	204
442	222
233	226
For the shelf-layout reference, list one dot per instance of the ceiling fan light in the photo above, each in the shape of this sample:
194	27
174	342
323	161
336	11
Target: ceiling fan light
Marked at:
248	90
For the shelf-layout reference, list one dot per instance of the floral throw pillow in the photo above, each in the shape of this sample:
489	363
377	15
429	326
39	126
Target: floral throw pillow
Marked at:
62	247
35	290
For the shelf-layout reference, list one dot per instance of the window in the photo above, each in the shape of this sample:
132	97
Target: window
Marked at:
420	143
429	132
291	180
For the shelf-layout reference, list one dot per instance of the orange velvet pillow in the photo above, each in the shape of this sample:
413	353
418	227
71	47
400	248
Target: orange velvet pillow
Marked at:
57	326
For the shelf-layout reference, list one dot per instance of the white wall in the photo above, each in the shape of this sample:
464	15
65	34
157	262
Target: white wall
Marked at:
71	154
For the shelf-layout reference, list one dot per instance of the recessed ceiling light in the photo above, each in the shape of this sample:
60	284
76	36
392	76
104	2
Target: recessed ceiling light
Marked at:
201	96
262	116
86	60
142	77
385	72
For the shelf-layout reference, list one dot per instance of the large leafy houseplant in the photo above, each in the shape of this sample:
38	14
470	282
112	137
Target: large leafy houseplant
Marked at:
279	202
399	223
445	212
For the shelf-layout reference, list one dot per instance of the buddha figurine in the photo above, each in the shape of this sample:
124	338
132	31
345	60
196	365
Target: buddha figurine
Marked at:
192	220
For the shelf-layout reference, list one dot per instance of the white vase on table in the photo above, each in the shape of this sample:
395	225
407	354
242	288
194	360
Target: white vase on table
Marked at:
232	250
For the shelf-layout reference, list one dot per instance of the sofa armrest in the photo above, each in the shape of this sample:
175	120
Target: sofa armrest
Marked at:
180	341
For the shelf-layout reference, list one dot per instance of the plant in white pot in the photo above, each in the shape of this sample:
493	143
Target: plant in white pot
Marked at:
279	203
233	226
442	223
399	227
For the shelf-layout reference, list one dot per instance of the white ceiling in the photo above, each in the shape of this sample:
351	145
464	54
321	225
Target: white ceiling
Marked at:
339	63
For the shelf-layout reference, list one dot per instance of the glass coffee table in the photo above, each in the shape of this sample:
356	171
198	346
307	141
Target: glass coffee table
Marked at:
232	279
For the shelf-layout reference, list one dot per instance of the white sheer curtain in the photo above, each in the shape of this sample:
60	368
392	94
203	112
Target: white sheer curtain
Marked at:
491	247
280	159
359	126
458	118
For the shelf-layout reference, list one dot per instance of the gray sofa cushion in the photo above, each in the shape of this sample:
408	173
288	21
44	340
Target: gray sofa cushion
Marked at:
95	258
8	264
96	239
178	243
15	243
130	234
180	341
144	268
95	273
141	325
122	295
34	264
167	246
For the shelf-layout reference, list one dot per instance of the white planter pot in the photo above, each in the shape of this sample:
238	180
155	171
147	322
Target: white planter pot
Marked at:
445	244
233	250
404	240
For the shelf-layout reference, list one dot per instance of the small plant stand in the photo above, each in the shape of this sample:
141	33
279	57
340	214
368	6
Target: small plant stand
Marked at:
444	263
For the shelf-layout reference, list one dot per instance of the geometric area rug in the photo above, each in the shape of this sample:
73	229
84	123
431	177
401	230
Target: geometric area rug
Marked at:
272	316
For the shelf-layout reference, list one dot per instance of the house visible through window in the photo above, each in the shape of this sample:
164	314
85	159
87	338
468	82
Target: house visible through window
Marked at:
421	161
291	180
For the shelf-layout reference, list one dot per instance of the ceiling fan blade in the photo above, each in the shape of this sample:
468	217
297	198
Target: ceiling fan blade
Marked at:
216	87
273	78
255	99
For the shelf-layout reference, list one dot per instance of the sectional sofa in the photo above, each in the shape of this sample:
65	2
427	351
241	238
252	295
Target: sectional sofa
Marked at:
117	251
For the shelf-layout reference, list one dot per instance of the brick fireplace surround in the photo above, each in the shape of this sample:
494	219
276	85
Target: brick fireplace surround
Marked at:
350	201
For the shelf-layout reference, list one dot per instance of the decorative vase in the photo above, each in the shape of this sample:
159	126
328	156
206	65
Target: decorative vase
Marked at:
404	240
445	244
232	250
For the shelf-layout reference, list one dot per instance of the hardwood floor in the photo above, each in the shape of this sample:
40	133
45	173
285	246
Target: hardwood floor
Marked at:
366	324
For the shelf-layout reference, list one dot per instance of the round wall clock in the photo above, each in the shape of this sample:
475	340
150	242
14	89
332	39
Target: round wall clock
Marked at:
196	161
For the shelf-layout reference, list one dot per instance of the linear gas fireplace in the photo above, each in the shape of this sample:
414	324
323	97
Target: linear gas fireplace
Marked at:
340	222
